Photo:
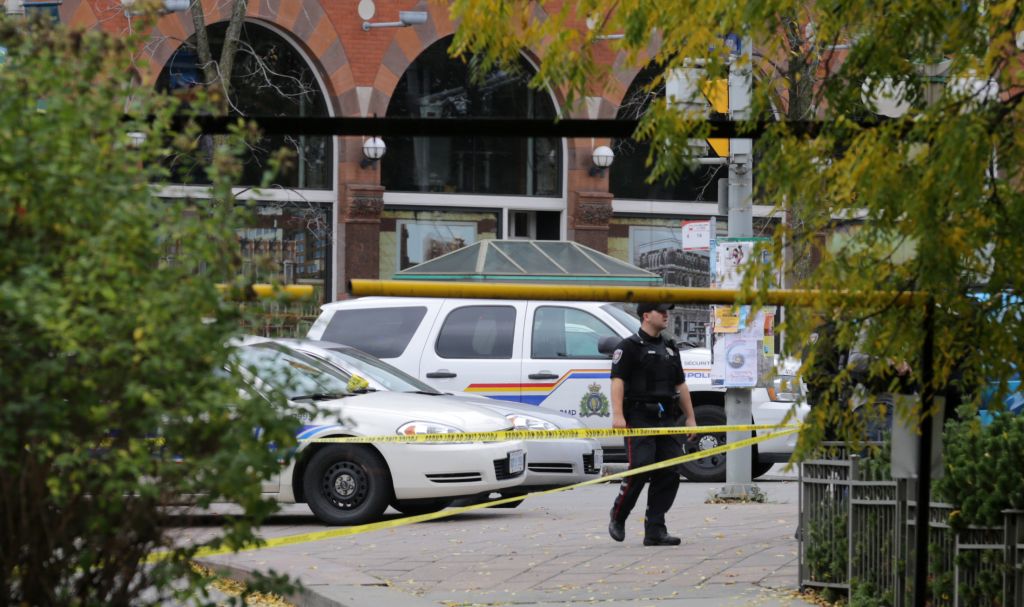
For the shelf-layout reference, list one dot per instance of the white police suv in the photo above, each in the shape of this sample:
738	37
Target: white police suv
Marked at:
540	353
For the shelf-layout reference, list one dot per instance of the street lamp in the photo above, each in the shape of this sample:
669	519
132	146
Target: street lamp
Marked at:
373	150
603	158
405	19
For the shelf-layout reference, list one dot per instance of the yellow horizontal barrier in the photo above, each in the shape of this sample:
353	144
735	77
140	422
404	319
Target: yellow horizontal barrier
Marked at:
469	290
505	435
303	538
262	289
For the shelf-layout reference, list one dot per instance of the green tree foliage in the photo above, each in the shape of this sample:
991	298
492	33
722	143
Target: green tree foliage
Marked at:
930	201
109	404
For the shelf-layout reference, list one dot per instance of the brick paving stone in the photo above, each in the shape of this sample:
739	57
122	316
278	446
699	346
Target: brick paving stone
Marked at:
552	550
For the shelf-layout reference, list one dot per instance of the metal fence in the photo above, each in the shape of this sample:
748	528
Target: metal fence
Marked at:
277	319
856	532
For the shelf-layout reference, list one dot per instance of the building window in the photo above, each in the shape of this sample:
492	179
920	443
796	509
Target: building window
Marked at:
420	241
628	175
270	78
535	225
272	245
437	86
659	249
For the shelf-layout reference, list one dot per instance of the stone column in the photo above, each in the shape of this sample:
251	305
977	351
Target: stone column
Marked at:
589	215
359	237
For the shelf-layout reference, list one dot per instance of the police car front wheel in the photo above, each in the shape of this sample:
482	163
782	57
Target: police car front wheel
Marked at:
347	485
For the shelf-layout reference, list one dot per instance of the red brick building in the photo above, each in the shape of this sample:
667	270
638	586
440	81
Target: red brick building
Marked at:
346	218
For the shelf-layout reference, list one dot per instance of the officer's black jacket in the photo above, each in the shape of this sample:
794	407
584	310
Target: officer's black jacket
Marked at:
650	367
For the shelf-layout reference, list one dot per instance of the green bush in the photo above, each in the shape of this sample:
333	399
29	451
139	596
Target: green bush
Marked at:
984	471
106	346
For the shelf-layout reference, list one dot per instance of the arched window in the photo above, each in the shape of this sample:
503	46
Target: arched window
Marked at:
628	175
440	87
270	78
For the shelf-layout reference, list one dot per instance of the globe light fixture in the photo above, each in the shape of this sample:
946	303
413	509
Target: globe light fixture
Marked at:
603	158
373	150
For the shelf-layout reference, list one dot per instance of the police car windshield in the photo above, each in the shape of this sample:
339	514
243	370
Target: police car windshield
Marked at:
378	371
292	373
625	316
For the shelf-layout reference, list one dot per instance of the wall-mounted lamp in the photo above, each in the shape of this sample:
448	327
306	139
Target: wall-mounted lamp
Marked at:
603	158
405	19
373	150
593	21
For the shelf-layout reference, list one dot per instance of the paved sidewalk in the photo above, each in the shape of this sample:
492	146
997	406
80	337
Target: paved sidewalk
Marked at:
551	550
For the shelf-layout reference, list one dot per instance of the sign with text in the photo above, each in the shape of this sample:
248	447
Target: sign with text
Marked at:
697	235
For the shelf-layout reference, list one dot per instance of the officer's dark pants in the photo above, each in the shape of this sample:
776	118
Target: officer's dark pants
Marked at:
664	483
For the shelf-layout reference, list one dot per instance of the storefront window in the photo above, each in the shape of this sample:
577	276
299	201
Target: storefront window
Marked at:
628	175
436	86
659	249
420	241
270	78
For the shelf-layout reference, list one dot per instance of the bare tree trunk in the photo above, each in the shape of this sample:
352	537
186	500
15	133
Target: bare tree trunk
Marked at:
799	74
227	52
203	42
800	70
218	74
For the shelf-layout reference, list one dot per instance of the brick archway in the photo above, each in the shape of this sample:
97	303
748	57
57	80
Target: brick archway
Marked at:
305	21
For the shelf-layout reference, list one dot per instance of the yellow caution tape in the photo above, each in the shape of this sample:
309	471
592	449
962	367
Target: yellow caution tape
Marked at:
506	435
316	536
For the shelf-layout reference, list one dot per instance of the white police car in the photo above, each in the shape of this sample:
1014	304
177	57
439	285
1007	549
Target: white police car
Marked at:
348	484
551	463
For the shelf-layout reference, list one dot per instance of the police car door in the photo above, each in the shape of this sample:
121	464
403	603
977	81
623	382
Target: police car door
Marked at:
562	368
473	348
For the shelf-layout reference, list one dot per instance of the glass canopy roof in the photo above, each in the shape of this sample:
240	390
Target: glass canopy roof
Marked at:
530	261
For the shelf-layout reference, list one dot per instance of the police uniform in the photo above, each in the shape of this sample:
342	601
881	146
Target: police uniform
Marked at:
650	368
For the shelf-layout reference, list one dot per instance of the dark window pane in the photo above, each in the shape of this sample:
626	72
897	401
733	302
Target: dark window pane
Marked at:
628	174
436	86
269	78
478	332
384	333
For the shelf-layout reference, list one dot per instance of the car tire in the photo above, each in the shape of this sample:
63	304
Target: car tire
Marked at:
347	485
759	469
708	469
422	506
712	469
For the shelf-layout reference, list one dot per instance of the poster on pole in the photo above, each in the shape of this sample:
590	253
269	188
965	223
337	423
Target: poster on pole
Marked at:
731	255
697	235
735	361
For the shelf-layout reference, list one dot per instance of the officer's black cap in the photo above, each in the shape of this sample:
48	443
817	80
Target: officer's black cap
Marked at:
643	308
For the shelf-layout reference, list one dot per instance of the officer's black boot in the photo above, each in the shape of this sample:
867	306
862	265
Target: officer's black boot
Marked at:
657	535
617	529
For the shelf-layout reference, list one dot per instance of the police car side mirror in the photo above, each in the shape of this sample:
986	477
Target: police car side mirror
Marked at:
606	345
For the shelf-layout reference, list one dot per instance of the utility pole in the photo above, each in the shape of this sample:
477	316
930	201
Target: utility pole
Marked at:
741	211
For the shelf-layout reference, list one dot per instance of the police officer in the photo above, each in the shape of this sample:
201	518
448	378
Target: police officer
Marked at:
648	390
